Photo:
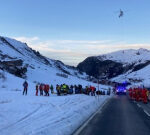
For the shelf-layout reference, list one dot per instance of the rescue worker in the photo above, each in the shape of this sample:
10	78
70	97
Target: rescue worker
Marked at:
98	92
71	89
147	93
92	88
47	89
67	89
37	88
134	94
25	85
130	93
144	96
52	89
140	94
58	88
137	94
76	89
80	88
64	88
41	90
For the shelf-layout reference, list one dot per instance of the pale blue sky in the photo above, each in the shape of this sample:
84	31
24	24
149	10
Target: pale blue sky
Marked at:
71	30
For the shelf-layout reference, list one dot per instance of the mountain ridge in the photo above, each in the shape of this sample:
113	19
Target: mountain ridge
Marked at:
22	61
115	64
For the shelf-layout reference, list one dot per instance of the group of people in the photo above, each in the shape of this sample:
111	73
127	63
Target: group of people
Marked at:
63	89
77	89
139	94
43	89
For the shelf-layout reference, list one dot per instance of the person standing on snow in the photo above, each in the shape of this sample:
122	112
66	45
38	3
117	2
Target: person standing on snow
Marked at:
25	85
71	89
52	89
41	89
47	88
58	88
37	88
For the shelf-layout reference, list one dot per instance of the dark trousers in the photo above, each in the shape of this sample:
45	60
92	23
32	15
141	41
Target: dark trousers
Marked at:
58	92
46	93
25	91
41	92
92	93
36	93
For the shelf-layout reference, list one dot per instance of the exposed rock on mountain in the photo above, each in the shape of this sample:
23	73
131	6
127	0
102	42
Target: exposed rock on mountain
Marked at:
22	61
116	63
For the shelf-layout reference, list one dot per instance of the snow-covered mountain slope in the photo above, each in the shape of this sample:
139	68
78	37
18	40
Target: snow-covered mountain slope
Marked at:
18	59
139	60
116	63
138	78
127	57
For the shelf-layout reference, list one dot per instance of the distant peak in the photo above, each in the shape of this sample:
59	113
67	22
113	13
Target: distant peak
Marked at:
143	49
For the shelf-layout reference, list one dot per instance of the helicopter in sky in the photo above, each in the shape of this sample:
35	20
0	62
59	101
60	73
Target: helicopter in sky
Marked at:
121	13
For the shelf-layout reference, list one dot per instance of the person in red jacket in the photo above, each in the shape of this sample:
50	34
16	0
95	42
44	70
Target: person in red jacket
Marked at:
47	89
130	93
145	96
37	88
134	94
92	90
137	94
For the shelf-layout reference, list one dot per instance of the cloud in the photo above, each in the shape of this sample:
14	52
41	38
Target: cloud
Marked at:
28	40
74	51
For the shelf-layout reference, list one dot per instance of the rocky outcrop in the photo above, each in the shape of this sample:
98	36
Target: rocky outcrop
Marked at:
14	67
19	59
99	68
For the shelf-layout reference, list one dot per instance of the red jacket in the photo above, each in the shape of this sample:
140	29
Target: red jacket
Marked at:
47	86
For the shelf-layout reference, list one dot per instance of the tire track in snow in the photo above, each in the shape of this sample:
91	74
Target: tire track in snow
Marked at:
26	124
22	119
25	121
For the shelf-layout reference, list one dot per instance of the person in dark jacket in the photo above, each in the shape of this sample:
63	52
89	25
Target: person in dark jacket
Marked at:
37	89
25	85
41	89
52	89
58	89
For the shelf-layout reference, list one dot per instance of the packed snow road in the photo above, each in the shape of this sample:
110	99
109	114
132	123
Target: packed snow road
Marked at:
120	116
35	115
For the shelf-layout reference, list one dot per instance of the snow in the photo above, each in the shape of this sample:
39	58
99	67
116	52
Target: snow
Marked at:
142	75
36	64
129	56
40	115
